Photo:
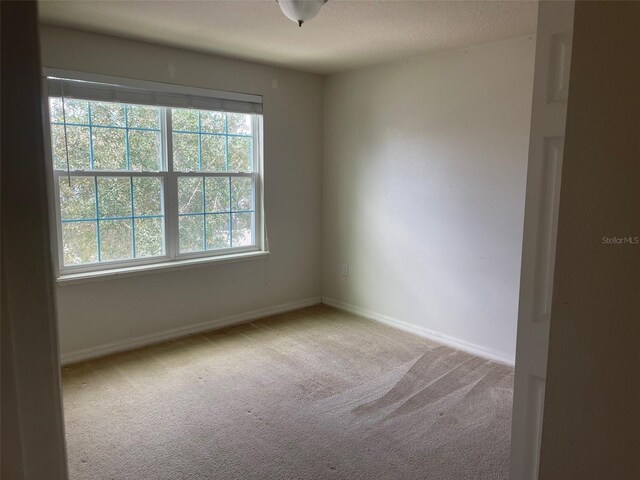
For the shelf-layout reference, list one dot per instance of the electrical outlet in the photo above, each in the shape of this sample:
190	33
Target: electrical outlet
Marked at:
345	270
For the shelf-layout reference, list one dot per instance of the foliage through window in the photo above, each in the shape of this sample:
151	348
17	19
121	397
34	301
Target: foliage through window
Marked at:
145	183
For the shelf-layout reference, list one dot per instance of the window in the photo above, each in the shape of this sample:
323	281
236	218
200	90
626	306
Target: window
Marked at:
143	181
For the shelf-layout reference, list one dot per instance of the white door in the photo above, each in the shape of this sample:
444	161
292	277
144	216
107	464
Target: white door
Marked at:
550	89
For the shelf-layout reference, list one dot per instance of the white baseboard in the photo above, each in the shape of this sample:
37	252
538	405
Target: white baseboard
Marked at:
456	343
144	340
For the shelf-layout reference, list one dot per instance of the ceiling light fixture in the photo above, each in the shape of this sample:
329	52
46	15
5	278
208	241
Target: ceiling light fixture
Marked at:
301	11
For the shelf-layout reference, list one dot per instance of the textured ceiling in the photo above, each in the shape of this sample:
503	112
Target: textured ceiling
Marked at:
346	33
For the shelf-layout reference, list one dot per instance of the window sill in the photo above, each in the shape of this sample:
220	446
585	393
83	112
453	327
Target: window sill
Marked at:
75	278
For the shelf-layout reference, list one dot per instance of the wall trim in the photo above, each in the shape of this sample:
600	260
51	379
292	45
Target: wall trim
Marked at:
175	333
478	350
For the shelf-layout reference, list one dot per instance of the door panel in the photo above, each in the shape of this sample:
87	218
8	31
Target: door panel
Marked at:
549	109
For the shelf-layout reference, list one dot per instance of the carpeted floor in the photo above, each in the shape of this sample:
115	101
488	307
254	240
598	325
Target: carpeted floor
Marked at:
312	394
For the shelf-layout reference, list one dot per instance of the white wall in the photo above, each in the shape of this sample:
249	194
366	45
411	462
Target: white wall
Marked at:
108	311
423	191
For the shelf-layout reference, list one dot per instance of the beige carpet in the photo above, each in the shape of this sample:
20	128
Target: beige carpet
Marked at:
312	394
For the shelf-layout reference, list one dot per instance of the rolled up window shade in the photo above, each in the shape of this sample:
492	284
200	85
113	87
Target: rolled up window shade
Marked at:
160	95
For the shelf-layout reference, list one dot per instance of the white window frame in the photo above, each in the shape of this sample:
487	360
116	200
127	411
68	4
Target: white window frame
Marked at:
172	257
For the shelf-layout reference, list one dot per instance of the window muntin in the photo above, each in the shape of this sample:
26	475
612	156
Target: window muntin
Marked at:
106	136
150	184
106	218
214	211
